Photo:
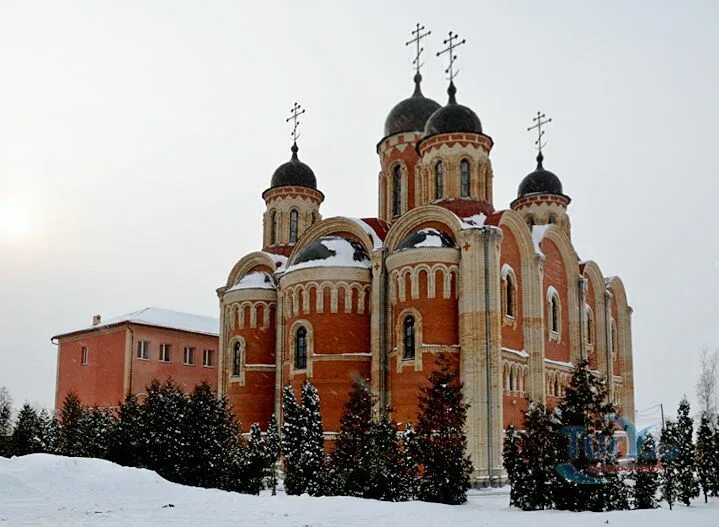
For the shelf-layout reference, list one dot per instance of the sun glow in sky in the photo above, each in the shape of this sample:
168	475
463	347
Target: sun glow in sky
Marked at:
16	221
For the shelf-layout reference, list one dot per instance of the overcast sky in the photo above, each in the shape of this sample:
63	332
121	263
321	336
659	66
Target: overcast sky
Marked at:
137	137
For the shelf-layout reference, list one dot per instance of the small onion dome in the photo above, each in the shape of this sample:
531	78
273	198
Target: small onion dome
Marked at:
331	251
411	114
540	181
426	238
453	117
294	173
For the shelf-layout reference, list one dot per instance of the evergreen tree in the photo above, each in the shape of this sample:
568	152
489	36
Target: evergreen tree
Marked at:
349	473
441	440
705	456
5	421
303	442
164	437
646	475
27	437
714	480
688	484
669	451
126	446
213	455
536	479
96	427
72	437
590	474
408	450
273	452
391	473
513	463
258	460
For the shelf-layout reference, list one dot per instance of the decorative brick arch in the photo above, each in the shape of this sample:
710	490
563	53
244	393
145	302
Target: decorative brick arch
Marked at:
337	226
624	340
257	260
594	276
418	218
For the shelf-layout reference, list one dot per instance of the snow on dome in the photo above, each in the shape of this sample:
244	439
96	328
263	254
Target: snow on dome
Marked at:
429	237
254	280
473	222
331	251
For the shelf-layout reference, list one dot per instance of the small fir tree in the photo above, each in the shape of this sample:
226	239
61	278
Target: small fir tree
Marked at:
391	477
125	446
687	484
590	474
27	437
714	479
303	442
96	427
408	449
441	440
273	452
646	475
349	472
258	460
513	464
706	457
72	415
5	421
669	452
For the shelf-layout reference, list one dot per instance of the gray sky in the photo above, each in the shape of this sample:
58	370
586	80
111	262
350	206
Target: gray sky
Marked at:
136	139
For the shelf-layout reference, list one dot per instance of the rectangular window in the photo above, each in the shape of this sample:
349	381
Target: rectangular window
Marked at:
84	355
208	358
165	352
143	350
189	356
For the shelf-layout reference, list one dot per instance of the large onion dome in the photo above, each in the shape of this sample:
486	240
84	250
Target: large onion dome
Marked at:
424	238
331	251
294	173
411	114
540	181
453	117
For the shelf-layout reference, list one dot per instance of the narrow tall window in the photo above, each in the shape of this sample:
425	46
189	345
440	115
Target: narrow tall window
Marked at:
165	352
439	180
188	356
554	306
409	337
396	191
84	357
273	227
236	359
509	311
208	358
301	348
294	218
143	350
464	178
590	327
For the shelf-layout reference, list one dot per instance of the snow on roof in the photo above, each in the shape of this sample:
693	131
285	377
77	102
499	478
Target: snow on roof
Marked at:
331	251
473	222
538	232
559	363
161	318
280	260
254	280
520	353
376	241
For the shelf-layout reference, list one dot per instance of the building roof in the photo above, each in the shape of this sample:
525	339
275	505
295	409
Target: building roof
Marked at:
294	173
411	114
161	318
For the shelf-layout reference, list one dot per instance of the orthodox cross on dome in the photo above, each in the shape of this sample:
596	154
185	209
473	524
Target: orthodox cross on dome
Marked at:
295	113
451	46
417	37
539	121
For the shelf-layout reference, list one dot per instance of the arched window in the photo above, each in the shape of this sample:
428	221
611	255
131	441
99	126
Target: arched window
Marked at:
236	359
464	178
615	340
554	313
530	222
552	219
439	180
409	337
397	191
273	227
294	220
301	348
509	293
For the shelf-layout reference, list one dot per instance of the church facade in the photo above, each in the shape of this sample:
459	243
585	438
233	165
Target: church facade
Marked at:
439	269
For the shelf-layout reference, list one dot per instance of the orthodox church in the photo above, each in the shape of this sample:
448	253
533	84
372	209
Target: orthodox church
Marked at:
439	269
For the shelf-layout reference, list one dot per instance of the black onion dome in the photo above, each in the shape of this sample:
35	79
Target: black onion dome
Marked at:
428	237
540	181
332	251
411	114
294	173
453	117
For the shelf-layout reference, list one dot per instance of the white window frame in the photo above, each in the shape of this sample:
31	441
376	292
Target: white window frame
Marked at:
143	349
207	358
188	352
84	356
165	352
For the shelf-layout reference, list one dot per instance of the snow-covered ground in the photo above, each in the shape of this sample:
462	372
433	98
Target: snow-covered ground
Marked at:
42	490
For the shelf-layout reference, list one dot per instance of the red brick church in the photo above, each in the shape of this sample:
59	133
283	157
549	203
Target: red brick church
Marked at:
439	268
